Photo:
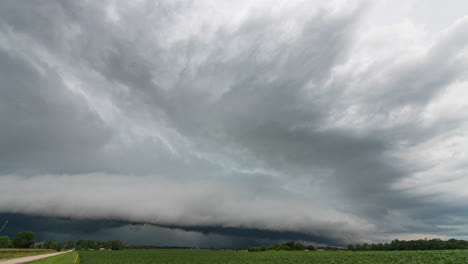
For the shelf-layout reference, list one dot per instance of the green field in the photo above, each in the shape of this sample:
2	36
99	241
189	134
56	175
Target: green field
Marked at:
7	253
68	258
270	257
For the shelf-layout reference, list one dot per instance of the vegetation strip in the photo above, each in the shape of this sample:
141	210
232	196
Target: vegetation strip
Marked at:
76	259
67	258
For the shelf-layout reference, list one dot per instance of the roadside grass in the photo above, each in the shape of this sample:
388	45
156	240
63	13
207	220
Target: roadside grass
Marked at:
8	253
68	258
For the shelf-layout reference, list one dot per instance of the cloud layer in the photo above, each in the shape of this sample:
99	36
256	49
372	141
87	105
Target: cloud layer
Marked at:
287	117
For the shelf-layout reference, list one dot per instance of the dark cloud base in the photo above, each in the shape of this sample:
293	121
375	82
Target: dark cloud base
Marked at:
60	228
256	234
44	226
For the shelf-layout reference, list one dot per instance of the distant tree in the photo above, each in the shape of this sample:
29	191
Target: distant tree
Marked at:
39	245
93	244
420	244
365	246
5	242
82	244
351	247
254	249
276	247
52	244
299	246
290	244
284	247
24	239
395	244
116	244
69	244
310	247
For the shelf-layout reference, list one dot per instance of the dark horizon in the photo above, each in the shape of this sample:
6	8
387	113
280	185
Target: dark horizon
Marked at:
54	228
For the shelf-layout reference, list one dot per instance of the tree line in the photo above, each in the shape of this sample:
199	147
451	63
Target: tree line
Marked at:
27	239
421	244
291	245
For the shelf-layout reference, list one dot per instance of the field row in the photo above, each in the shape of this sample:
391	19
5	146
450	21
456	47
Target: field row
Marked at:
270	257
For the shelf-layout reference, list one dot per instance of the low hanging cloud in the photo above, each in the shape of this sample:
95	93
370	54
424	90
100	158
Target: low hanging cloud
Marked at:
286	117
156	200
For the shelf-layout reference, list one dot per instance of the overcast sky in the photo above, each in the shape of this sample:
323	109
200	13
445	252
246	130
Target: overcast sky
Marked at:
233	123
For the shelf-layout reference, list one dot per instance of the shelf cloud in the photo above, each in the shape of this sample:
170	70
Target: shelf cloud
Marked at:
328	122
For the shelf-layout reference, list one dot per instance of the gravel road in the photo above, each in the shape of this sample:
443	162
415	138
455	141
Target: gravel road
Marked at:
30	258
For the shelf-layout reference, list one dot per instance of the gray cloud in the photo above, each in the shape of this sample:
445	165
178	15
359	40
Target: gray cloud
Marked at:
293	117
42	122
161	201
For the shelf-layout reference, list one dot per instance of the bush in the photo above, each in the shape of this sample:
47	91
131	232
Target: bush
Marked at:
24	239
5	242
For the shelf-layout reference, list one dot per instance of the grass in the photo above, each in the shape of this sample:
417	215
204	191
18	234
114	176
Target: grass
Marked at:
7	253
67	258
271	257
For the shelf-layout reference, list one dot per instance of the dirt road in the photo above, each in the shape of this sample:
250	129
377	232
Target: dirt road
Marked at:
30	258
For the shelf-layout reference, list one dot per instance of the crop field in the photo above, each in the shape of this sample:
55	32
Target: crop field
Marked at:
7	253
270	257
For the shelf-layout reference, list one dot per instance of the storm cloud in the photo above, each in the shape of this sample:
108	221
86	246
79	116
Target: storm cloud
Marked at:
325	122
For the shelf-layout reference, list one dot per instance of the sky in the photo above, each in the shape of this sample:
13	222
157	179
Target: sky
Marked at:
234	123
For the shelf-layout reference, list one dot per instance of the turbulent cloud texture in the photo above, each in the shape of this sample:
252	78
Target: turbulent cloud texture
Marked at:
290	117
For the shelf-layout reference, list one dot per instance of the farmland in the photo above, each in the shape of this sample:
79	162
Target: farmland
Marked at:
271	257
8	253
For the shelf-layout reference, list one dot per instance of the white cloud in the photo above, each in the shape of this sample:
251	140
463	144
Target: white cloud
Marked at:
157	200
